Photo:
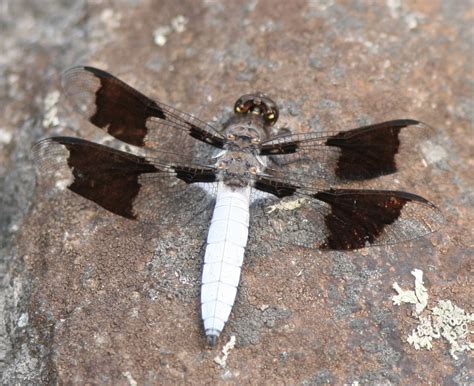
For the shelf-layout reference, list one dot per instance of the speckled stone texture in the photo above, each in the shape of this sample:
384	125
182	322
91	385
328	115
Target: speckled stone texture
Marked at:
90	298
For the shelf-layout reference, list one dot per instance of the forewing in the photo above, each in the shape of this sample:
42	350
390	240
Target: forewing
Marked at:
132	186
345	219
360	154
127	114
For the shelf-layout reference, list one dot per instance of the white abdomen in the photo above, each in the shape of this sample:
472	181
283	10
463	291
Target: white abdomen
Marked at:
226	242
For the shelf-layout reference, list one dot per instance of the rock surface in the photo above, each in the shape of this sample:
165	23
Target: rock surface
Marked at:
92	298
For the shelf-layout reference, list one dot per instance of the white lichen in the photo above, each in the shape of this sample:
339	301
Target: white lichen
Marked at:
424	333
129	377
50	118
432	152
23	320
418	297
178	25
222	360
5	136
160	35
452	323
445	320
420	291
110	18
288	205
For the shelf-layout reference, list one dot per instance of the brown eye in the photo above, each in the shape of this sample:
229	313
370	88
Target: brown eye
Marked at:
255	141
271	116
253	170
231	137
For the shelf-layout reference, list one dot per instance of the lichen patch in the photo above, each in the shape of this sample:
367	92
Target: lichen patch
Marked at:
445	320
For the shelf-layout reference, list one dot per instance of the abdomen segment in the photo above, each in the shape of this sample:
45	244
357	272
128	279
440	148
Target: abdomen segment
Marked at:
226	242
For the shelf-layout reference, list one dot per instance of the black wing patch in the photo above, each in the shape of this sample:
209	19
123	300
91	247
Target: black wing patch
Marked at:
127	114
278	188
359	154
113	179
360	218
345	219
369	151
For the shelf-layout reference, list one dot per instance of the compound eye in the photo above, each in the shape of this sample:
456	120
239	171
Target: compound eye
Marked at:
271	116
221	165
253	170
231	137
239	108
255	141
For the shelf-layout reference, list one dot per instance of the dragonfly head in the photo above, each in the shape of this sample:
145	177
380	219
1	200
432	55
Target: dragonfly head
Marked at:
258	104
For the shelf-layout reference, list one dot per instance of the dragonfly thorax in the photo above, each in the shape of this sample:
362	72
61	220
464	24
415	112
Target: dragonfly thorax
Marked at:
238	164
245	132
237	168
243	137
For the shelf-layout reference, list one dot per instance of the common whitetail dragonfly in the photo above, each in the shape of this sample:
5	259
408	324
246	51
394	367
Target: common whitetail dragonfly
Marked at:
245	165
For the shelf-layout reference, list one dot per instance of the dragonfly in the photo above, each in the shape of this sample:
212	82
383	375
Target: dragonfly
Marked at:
182	163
